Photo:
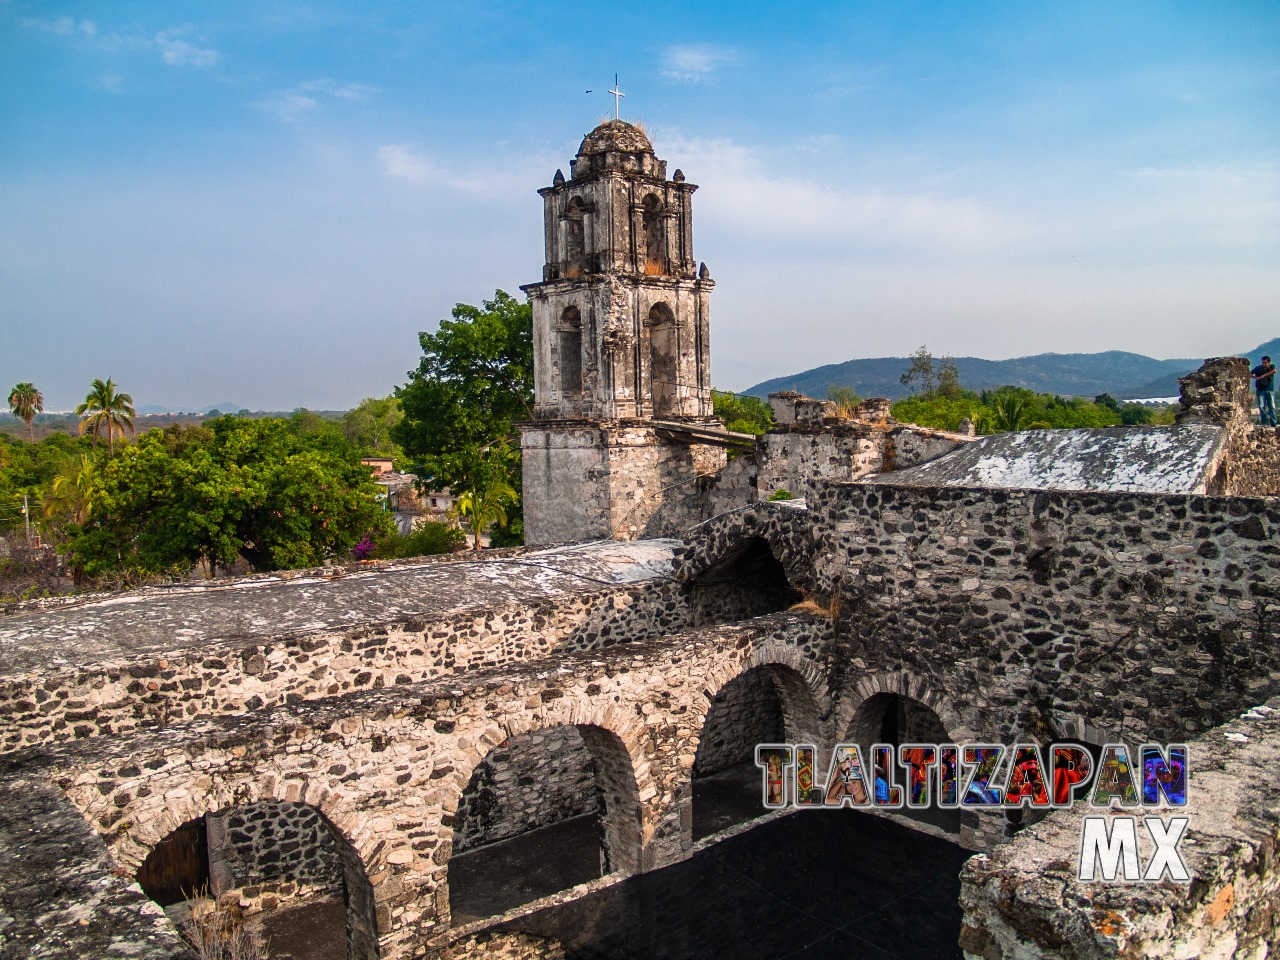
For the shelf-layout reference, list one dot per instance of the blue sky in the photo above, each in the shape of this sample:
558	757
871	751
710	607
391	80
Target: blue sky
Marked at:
264	203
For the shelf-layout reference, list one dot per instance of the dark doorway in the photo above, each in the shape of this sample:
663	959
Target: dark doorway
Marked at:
178	868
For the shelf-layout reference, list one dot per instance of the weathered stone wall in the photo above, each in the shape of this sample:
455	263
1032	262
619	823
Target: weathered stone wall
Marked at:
1256	464
1221	392
1023	900
60	894
1044	610
812	443
746	712
114	696
388	767
612	479
269	854
531	781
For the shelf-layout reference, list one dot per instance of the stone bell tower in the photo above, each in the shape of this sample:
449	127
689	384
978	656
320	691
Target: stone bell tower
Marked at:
621	350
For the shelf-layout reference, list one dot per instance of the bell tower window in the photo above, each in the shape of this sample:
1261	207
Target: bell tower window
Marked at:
663	360
655	236
571	352
574	239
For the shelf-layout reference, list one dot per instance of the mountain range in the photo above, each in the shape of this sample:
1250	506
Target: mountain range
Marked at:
1123	375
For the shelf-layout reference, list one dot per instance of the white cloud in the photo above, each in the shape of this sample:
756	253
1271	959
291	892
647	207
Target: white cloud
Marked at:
180	53
113	83
508	181
343	91
691	63
751	200
63	26
289	107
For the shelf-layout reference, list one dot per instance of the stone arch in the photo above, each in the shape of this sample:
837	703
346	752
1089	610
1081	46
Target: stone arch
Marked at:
621	775
862	710
654	224
570	351
722	539
775	695
748	580
331	867
664	360
575	248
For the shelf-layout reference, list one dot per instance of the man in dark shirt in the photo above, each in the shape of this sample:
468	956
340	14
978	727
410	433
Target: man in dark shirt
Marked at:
1264	378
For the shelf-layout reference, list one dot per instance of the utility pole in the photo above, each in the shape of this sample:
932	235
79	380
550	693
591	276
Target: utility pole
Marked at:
26	513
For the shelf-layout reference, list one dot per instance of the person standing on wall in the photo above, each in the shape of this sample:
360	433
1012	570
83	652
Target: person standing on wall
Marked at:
1264	378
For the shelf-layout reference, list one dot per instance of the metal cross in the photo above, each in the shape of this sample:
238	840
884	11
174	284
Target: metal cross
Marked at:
617	95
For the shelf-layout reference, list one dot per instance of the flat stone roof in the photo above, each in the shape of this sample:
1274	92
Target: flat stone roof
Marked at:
1173	459
163	620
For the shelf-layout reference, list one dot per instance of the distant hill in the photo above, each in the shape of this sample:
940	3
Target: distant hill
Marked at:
227	407
1123	375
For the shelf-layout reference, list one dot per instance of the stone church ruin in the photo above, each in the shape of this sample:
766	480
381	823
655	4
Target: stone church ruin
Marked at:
368	742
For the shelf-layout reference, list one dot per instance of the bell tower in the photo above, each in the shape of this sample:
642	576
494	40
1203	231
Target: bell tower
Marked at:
621	346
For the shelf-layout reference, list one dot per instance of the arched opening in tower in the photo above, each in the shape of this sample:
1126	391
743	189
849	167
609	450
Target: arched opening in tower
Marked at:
766	704
749	581
655	236
895	719
664	360
544	811
274	872
575	239
570	352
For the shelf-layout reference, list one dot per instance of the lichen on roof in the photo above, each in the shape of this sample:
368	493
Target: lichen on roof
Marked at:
1175	459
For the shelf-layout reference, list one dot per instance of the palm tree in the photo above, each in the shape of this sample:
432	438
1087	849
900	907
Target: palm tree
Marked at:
26	401
1011	412
486	506
104	409
72	490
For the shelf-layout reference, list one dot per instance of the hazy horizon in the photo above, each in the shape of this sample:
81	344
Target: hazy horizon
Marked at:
268	204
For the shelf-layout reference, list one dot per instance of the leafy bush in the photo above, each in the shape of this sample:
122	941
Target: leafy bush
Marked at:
428	539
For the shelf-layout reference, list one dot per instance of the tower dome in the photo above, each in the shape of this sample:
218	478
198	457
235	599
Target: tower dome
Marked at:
616	145
615	136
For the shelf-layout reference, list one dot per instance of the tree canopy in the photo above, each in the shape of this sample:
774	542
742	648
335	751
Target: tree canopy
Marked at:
235	487
475	380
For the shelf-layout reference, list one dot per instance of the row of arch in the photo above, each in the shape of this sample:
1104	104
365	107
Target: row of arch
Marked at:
663	356
778	697
651	243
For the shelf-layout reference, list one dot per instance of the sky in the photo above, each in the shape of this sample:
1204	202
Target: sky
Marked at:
264	204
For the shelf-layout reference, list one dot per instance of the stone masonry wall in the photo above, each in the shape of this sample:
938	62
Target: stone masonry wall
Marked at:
268	854
1221	392
117	696
1256	464
530	781
813	443
1023	900
746	712
387	767
1043	611
612	479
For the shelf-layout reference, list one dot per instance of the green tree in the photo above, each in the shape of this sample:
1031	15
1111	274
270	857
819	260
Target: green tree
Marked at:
949	380
71	494
921	371
105	409
369	426
486	505
475	380
230	488
26	401
741	413
1012	410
